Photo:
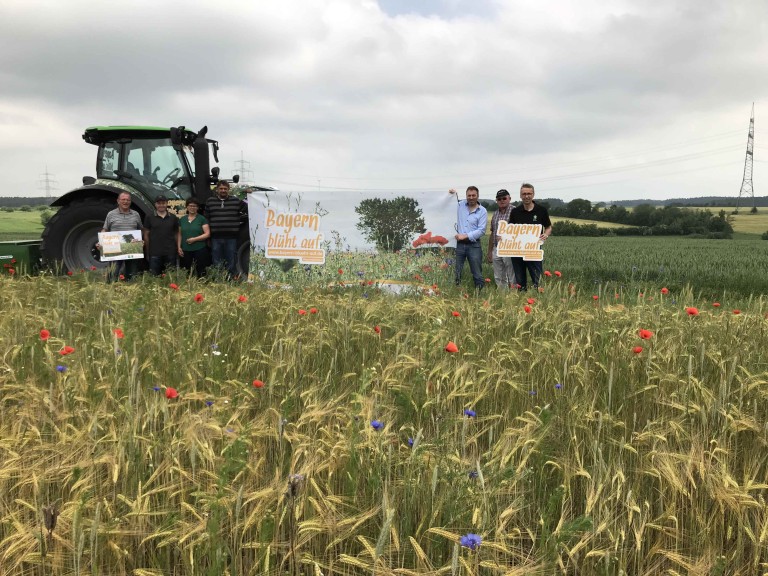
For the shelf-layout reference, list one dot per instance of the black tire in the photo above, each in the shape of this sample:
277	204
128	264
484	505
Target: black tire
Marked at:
70	237
243	252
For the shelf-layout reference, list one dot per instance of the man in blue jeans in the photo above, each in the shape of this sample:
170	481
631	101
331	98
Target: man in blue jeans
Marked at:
471	222
223	214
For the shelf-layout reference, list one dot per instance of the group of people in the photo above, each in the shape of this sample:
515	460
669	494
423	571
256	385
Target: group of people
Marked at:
170	241
471	223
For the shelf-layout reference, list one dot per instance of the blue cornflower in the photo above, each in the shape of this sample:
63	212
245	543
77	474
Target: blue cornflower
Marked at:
209	403
532	392
377	425
214	346
469	413
61	368
471	541
410	442
558	386
156	388
472	474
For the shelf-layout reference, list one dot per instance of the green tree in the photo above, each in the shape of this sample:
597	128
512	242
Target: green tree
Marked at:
390	223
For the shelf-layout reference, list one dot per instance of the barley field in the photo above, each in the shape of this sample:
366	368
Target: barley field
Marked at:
177	427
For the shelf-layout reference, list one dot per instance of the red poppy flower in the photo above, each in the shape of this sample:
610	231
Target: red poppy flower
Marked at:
518	286
93	268
737	311
527	309
645	334
242	298
465	296
531	301
487	280
370	282
171	393
558	273
44	334
451	347
118	333
66	350
341	271
13	260
434	286
616	295
11	271
174	286
313	310
258	384
665	290
69	272
302	312
716	304
377	329
691	311
122	277
595	297
199	297
456	313
637	349
547	273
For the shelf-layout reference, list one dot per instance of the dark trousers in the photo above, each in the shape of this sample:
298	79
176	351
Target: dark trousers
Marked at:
473	253
158	264
125	268
225	254
196	261
520	267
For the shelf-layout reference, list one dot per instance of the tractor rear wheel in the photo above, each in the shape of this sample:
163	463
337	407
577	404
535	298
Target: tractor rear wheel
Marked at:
243	252
70	237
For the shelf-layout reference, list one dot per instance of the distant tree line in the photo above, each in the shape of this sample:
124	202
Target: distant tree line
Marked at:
643	220
19	201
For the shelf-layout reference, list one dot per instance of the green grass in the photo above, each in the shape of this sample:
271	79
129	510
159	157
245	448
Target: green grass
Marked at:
584	457
711	267
20	223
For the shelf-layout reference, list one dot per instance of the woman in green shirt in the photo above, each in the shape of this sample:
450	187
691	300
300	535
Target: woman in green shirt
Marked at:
193	243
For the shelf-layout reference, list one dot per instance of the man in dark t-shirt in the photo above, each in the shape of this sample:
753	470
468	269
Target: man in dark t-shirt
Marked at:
529	213
161	234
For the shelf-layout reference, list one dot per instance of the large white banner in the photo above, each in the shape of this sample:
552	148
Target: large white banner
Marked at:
351	237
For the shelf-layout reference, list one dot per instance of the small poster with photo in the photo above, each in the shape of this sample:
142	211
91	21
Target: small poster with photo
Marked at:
122	245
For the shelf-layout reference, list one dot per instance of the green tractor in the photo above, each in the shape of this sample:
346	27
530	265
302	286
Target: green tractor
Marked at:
146	162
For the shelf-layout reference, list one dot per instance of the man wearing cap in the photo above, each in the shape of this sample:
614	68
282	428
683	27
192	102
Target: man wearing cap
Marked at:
503	273
161	236
471	221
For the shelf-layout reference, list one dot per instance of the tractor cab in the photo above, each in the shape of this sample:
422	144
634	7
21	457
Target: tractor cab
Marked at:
154	161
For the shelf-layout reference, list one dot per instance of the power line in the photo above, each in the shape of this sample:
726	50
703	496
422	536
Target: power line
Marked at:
243	168
47	183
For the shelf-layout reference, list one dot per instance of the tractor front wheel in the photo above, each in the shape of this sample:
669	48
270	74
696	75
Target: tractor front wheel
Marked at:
70	237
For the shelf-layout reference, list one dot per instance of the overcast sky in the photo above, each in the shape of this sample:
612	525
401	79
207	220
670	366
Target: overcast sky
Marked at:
597	99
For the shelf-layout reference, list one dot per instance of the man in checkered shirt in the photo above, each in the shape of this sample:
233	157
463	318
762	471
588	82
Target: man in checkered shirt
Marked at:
503	273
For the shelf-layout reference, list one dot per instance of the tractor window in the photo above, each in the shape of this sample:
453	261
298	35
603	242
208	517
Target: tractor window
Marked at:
156	168
109	160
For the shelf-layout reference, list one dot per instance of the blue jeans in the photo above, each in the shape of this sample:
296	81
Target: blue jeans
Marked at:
225	254
473	252
158	264
520	267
